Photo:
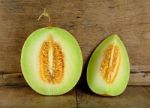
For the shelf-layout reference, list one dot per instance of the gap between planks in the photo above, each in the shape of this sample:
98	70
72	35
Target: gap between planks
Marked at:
140	75
17	79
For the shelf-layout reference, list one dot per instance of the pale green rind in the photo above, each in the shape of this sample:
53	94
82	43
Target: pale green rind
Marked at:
72	56
94	79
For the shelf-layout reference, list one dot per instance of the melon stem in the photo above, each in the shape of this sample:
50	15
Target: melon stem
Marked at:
45	14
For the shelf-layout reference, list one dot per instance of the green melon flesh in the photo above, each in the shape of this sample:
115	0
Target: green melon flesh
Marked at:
94	78
72	61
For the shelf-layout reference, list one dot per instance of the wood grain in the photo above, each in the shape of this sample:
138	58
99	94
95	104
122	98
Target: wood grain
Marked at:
139	79
24	97
90	21
133	97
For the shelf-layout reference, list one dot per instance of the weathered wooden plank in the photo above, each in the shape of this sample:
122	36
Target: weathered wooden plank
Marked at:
140	68
90	21
128	18
139	79
12	79
24	97
133	97
17	79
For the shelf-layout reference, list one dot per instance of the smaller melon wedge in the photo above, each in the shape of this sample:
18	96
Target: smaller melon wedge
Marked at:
109	68
51	61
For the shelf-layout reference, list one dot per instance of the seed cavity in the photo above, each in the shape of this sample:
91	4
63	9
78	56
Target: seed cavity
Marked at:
51	62
110	63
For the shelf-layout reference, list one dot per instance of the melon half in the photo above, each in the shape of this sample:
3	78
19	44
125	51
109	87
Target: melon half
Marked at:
109	68
51	61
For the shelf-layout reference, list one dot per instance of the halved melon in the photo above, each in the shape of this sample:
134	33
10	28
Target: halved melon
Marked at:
109	68
51	61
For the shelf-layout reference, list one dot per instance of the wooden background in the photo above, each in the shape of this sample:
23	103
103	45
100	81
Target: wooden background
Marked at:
90	21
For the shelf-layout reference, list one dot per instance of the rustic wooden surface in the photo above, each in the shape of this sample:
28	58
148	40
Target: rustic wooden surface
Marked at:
90	21
24	97
133	97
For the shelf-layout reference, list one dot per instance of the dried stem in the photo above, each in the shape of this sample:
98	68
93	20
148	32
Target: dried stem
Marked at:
44	14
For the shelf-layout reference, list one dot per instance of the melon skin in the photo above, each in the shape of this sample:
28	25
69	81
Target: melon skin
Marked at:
73	60
94	79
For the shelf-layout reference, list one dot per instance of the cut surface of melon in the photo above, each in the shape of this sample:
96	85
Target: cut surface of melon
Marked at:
109	68
51	61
